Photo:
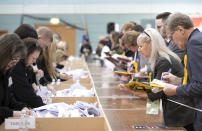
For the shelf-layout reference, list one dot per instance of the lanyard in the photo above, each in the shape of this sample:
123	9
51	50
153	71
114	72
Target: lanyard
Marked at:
185	70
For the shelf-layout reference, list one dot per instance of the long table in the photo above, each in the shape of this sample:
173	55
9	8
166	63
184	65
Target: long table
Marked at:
124	112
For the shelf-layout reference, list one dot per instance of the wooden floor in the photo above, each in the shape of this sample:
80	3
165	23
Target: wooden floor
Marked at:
122	110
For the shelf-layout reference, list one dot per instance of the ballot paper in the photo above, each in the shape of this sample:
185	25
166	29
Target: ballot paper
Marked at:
73	58
78	109
80	73
43	91
76	90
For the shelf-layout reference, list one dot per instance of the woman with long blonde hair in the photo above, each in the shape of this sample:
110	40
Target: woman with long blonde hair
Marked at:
49	55
152	45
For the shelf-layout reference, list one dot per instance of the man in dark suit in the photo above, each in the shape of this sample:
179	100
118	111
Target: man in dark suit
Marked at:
183	34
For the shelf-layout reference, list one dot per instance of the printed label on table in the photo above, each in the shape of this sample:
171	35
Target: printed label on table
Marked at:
14	123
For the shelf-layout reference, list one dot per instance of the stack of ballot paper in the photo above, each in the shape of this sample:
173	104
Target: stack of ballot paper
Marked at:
43	91
76	90
78	72
78	109
73	58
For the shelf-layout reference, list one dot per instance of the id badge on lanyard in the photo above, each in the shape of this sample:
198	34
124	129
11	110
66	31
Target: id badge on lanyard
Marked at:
10	81
152	107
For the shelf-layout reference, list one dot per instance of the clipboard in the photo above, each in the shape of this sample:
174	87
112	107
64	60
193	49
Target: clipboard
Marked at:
116	63
134	85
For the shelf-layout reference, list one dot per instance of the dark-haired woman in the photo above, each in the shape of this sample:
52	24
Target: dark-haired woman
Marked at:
12	50
24	77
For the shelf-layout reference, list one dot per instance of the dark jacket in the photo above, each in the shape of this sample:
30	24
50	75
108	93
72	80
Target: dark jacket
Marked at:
174	48
129	53
193	89
174	114
7	103
86	49
23	77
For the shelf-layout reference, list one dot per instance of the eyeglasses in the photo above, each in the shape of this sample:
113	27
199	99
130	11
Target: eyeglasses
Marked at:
171	34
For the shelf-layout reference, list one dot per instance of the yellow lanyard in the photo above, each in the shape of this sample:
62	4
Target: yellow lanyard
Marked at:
123	54
185	71
150	76
135	64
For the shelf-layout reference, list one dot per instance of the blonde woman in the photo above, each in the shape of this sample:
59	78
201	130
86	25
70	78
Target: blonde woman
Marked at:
152	45
49	57
49	54
61	56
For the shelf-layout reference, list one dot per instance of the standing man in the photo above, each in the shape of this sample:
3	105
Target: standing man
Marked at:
86	50
182	33
161	27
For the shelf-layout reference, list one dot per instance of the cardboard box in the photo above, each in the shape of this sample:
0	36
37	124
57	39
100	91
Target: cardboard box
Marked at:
72	100
82	81
77	123
70	124
63	86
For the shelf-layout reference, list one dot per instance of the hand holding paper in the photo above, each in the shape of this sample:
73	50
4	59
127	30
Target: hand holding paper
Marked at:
170	89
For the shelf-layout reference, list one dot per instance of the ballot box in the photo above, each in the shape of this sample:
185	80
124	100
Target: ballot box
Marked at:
99	123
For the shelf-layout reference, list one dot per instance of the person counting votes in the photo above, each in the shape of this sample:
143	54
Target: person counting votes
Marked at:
115	40
24	78
181	31
46	57
129	40
45	38
152	45
104	48
161	27
25	31
128	26
61	57
12	50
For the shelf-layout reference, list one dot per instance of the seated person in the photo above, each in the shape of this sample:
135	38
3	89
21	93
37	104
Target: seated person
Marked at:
24	77
12	50
60	58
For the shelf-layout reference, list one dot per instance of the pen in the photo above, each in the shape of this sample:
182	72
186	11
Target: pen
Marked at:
169	71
